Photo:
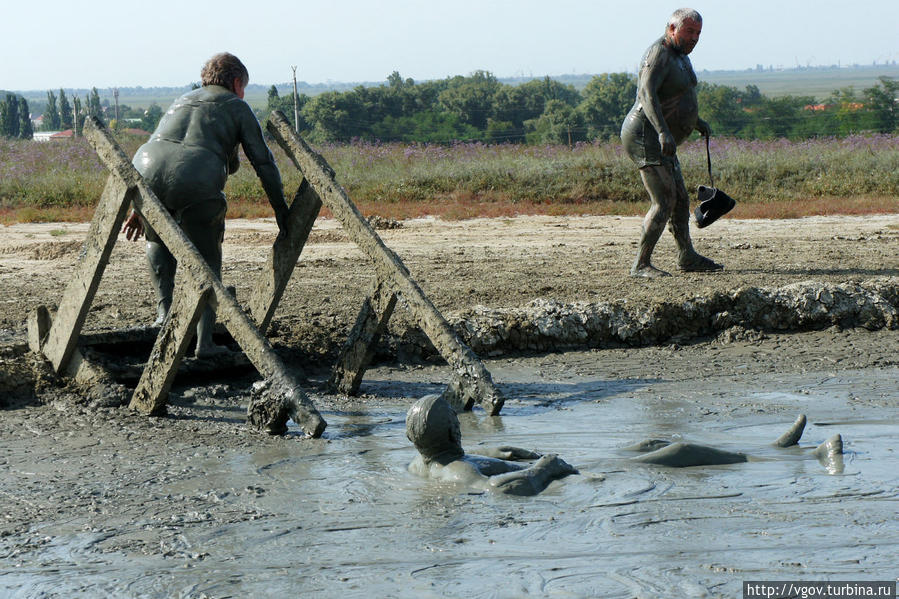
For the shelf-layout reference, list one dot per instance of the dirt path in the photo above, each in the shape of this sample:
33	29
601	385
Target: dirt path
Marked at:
497	263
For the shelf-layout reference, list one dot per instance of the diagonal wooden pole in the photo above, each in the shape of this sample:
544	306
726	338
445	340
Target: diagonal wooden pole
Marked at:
152	389
62	338
359	349
283	258
477	384
285	398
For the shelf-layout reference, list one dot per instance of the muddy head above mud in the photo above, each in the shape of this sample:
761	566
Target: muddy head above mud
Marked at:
803	320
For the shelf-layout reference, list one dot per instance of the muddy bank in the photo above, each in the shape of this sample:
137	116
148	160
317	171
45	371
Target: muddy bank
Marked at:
502	265
547	325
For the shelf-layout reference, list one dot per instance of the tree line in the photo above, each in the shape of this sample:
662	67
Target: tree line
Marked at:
59	114
15	120
478	107
481	108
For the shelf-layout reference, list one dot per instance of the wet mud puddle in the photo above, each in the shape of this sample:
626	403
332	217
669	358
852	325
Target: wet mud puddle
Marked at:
341	516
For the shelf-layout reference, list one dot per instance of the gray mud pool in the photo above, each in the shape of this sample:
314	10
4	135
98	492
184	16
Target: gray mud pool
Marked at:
341	516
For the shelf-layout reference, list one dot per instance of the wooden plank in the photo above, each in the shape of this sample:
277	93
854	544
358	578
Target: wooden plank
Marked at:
79	293
466	366
282	260
286	398
179	328
357	353
39	323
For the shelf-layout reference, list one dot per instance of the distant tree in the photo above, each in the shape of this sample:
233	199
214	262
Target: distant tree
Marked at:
425	126
503	131
336	116
751	96
722	107
51	114
520	103
274	101
880	100
780	117
559	124
471	98
94	107
607	100
151	117
26	129
10	122
78	115
65	111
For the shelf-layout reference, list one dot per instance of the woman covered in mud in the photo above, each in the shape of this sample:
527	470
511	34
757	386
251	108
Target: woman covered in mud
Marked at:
187	162
433	427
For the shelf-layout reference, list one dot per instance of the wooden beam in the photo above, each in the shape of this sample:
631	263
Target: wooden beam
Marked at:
287	398
465	364
357	353
283	258
79	293
179	328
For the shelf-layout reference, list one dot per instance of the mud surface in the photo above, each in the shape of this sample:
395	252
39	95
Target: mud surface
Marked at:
102	502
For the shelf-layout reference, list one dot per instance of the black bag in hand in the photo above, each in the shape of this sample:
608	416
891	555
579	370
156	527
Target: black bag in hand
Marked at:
713	203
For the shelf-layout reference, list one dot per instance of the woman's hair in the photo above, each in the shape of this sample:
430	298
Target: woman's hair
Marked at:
432	426
222	69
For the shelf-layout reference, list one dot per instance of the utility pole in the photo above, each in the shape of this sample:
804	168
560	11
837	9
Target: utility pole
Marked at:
296	103
115	94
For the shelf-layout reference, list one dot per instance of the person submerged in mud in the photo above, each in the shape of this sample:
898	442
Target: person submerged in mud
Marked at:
681	455
186	163
433	427
665	113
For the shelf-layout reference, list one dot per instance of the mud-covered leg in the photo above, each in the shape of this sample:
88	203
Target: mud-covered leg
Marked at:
162	272
660	186
204	225
792	436
830	454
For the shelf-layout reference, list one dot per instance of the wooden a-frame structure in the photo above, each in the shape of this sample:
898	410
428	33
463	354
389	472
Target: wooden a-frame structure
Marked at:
283	398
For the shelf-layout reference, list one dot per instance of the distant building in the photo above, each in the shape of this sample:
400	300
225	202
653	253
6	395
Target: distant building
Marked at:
67	134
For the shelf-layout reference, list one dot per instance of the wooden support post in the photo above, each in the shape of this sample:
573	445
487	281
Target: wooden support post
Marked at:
389	268
39	324
79	293
357	353
270	285
153	388
286	398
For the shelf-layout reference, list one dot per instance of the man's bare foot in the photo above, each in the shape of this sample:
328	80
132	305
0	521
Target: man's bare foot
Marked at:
697	263
648	272
830	454
792	436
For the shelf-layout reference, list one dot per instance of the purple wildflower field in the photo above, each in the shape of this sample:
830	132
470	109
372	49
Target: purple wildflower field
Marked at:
67	174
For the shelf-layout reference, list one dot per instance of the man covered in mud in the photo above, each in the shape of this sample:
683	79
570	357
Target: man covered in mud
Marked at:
665	113
186	163
432	426
682	455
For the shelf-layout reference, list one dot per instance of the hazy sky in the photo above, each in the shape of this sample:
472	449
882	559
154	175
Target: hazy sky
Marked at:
54	44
